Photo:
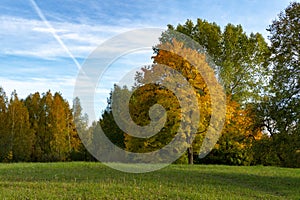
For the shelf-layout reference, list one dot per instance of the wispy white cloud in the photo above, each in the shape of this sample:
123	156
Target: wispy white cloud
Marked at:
26	86
84	25
29	37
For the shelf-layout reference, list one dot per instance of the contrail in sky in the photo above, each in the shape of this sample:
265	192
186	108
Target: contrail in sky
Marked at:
52	30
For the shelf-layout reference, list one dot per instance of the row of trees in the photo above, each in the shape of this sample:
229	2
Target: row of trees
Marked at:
39	128
261	84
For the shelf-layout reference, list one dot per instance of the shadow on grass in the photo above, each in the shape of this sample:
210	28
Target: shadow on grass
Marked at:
280	182
253	182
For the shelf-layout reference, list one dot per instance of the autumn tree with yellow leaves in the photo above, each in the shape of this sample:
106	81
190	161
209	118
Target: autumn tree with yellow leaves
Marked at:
197	74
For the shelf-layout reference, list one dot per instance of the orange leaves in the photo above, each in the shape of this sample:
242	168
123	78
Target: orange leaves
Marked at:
240	122
185	69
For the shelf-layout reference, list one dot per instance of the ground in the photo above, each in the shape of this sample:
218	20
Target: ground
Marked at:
82	180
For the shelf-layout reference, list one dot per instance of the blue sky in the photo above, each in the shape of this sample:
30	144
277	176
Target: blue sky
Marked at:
32	59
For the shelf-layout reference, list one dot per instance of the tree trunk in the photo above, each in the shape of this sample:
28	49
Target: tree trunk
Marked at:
190	155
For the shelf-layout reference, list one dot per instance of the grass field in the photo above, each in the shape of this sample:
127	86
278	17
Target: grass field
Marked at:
80	180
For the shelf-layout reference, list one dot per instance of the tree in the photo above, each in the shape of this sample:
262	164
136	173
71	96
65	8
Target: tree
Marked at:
4	151
239	61
109	126
280	111
60	143
39	128
184	90
83	132
44	133
237	58
33	105
285	49
240	132
142	99
20	135
52	122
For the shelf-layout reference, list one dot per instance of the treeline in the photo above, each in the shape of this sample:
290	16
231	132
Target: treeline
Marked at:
260	81
39	128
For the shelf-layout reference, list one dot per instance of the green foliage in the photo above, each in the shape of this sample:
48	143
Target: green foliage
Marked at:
280	109
237	58
107	123
278	150
82	136
284	100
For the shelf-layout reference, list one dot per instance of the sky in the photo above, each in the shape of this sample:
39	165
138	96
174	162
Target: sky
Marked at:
44	44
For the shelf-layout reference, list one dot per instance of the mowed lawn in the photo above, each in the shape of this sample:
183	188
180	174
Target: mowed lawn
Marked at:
83	180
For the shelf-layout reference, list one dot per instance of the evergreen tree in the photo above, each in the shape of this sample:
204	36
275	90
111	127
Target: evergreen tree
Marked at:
20	135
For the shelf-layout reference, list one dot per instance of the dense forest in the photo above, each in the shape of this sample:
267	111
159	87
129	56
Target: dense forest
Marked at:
260	81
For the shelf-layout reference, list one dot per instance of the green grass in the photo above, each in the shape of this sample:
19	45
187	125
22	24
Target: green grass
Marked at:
79	180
